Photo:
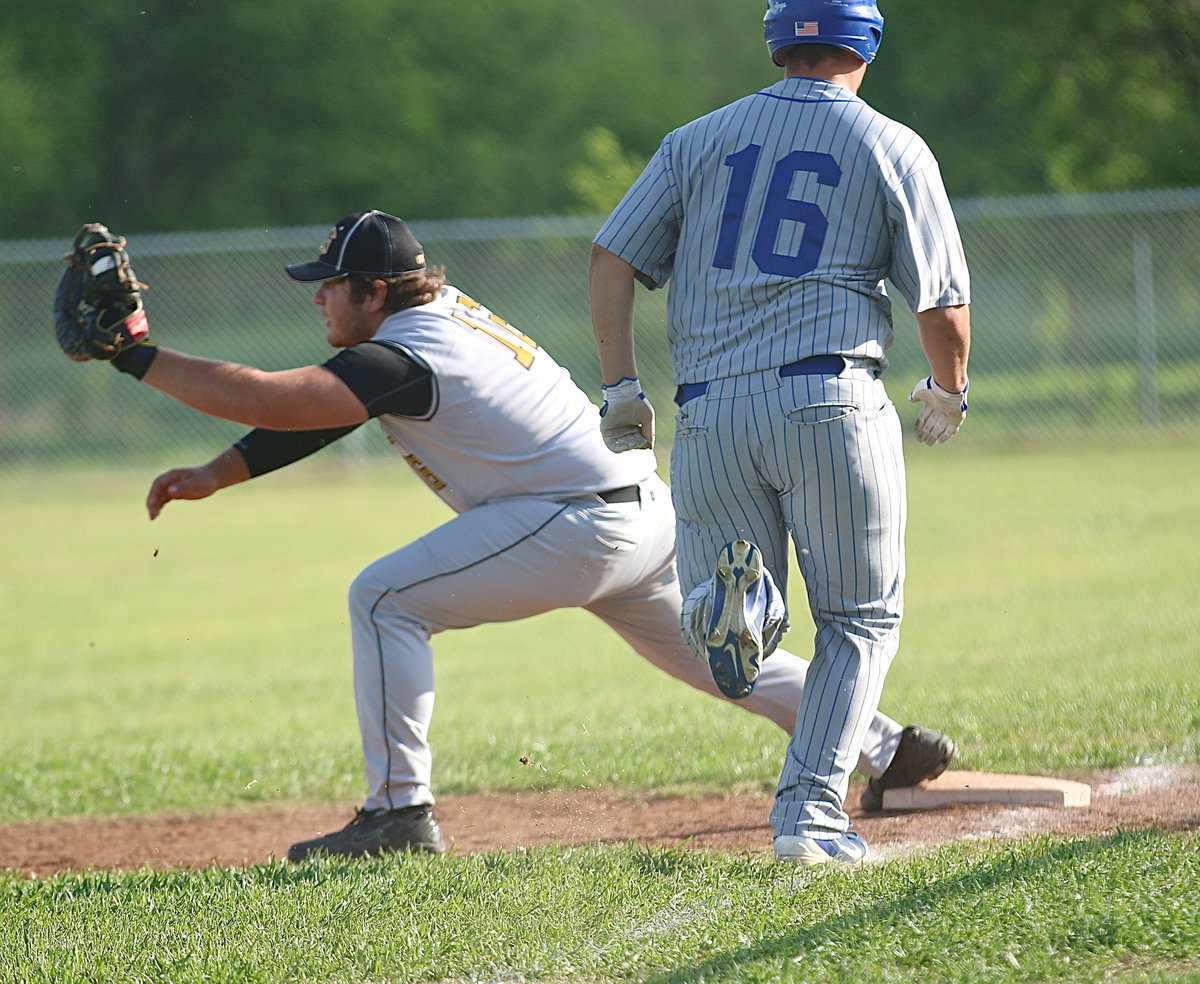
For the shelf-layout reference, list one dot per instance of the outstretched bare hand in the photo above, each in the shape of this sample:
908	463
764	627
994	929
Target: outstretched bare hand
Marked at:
180	483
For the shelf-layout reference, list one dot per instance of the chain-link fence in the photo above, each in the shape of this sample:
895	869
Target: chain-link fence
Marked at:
1086	314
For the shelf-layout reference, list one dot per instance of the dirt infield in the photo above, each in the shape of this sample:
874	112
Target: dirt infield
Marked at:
1163	797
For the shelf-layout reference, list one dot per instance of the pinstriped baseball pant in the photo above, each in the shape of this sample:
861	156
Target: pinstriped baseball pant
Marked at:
510	560
817	460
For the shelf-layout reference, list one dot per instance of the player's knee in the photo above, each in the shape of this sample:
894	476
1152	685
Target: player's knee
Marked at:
877	626
369	591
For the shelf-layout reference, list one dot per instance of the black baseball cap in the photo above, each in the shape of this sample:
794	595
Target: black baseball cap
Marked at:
368	244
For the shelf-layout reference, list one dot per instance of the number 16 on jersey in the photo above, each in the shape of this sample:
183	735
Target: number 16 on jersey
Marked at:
778	207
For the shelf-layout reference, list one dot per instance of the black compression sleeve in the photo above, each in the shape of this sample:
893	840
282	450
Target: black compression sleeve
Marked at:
266	450
385	378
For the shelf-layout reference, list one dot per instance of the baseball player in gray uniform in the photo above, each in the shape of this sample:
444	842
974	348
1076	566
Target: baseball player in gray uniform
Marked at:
777	219
547	516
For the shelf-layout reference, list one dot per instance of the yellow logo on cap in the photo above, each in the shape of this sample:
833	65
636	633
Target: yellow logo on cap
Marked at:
329	240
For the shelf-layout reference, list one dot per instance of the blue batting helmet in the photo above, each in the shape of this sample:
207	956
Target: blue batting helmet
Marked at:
856	25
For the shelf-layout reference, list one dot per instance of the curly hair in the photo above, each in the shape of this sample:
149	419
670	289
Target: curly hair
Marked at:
407	290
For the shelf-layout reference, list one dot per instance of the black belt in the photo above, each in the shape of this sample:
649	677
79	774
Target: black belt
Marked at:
627	493
814	365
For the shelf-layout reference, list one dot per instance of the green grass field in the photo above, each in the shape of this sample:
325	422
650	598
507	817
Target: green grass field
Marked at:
201	662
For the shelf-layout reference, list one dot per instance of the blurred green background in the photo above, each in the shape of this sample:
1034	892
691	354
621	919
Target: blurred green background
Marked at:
224	138
1086	314
170	115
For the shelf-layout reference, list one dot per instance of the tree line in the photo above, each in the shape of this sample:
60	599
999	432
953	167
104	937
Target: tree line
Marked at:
188	114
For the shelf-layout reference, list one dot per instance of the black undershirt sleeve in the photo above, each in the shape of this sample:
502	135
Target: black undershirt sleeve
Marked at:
385	378
267	450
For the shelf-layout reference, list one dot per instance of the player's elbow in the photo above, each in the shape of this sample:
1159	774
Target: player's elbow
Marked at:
607	266
953	320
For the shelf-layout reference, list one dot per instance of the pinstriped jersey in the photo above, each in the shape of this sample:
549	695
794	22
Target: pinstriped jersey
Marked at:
506	419
776	219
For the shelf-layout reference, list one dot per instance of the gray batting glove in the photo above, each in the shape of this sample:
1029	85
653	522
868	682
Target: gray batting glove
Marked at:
943	412
626	418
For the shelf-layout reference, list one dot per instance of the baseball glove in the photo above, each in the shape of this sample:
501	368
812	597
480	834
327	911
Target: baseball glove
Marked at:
98	312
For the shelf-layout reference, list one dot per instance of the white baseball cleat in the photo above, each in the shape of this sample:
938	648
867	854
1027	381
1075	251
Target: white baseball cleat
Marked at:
848	848
739	607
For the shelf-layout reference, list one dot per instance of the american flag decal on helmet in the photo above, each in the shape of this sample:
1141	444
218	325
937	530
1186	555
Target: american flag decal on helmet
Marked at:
807	29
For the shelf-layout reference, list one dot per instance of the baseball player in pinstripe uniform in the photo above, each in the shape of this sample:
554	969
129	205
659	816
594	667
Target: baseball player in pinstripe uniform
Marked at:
777	219
548	517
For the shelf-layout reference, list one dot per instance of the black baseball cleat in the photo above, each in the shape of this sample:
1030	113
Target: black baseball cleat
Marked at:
922	754
412	828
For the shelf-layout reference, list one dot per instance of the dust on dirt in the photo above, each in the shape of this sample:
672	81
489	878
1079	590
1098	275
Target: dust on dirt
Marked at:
1148	797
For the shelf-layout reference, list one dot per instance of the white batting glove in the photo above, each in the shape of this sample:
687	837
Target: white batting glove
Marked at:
943	412
626	418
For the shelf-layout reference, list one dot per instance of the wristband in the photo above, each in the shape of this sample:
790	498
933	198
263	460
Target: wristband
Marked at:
136	360
625	389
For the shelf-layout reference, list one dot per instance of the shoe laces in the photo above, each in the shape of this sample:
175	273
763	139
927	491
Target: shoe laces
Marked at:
361	816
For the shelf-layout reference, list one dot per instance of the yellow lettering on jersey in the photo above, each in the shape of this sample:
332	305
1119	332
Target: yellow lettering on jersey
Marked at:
521	345
427	476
